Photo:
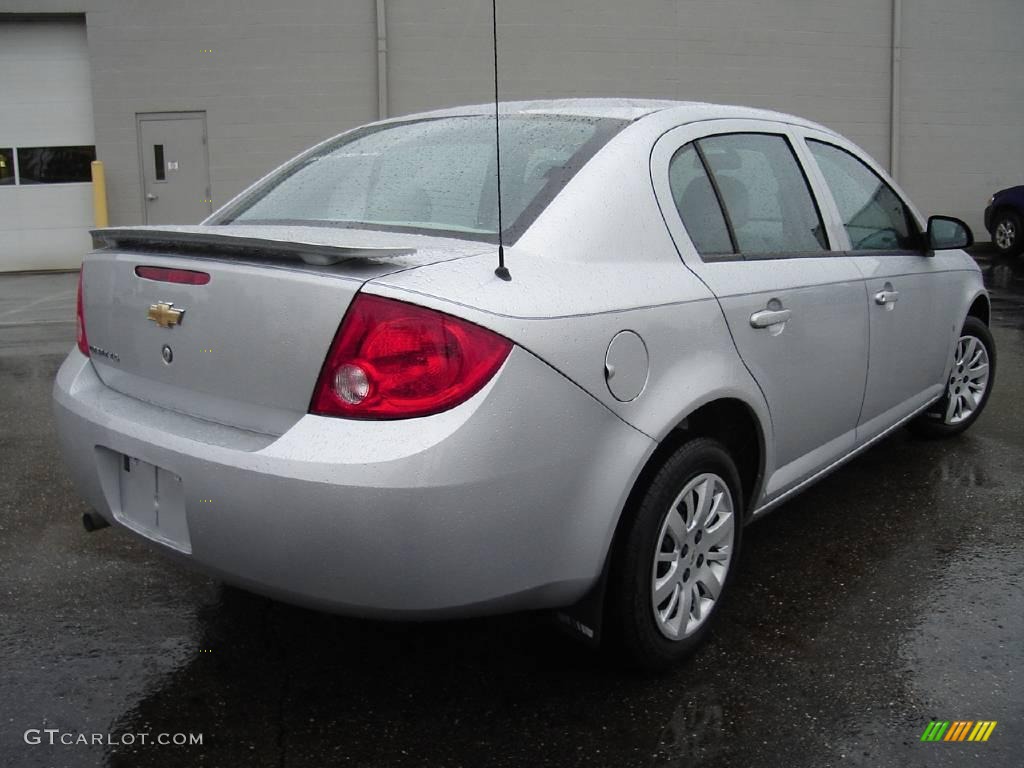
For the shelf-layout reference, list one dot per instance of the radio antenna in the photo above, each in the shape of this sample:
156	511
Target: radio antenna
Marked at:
502	270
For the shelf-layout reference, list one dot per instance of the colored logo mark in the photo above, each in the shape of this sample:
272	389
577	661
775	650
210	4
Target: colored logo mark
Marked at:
958	730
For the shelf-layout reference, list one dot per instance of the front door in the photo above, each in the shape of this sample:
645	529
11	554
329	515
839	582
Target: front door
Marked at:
908	292
175	174
794	306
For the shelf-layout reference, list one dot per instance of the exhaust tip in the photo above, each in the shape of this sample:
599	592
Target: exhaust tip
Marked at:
93	522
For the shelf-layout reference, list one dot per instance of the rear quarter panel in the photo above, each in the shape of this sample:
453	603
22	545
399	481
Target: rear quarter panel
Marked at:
598	261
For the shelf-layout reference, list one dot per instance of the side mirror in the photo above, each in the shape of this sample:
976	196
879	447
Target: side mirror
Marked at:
945	233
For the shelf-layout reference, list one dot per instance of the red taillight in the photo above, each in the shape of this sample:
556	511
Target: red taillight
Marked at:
165	275
392	360
83	342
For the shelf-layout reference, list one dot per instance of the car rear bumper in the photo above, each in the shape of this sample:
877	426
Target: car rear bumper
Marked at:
506	502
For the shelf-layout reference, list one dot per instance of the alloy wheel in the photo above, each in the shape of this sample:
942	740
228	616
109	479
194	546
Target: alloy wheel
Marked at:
691	561
968	380
1006	234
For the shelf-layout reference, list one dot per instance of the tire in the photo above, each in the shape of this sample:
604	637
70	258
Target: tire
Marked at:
1007	235
944	420
691	563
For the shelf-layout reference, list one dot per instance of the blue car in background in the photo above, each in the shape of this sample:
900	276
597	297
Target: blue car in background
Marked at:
1003	217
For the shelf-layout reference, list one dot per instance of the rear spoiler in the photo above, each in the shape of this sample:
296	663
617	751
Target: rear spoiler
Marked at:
212	244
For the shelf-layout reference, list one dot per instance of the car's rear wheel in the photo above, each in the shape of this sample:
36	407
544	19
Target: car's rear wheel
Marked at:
968	386
1006	232
675	556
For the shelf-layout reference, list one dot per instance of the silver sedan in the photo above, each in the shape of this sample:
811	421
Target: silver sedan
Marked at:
328	393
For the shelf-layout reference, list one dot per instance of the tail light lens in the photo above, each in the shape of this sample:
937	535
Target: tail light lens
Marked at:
83	342
392	360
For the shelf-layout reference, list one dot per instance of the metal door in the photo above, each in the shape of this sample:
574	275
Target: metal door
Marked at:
909	294
800	326
910	298
175	169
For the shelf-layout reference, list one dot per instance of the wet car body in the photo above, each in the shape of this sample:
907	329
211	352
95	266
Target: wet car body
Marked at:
628	338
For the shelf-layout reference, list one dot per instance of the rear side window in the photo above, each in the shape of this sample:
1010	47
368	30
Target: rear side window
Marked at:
746	194
875	217
697	204
765	194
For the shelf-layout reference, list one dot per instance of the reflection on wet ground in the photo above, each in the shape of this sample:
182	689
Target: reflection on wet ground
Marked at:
1004	276
886	596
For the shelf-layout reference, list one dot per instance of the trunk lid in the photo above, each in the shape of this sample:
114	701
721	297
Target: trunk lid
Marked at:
249	344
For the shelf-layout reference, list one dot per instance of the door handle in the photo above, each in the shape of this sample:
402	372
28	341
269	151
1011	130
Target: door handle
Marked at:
886	297
151	196
769	317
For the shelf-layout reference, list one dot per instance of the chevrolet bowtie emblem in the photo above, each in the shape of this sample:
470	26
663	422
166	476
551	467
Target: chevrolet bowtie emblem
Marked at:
164	314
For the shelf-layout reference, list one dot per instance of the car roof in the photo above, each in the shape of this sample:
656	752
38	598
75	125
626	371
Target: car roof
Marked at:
620	109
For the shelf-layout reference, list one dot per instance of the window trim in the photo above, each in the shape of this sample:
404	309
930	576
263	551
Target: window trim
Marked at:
718	196
908	212
827	251
718	256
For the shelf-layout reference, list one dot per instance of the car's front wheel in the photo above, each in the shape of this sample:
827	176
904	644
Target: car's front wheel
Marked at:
675	555
1006	233
968	386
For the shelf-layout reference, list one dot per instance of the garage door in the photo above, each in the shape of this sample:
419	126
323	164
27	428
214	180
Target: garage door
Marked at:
46	144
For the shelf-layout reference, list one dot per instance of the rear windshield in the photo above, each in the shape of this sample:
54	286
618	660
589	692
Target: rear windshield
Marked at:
434	176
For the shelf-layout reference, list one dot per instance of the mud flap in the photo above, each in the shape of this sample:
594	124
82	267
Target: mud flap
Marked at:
584	619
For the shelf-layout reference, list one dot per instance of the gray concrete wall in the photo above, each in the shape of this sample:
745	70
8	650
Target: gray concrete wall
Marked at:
823	59
284	75
281	76
963	104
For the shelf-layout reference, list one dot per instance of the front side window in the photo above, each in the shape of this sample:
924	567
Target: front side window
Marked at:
434	175
875	217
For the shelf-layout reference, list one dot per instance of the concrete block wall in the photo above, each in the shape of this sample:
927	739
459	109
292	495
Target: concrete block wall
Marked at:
823	59
962	98
280	77
963	104
285	75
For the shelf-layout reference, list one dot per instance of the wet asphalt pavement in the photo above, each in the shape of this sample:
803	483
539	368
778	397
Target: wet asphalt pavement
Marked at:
886	596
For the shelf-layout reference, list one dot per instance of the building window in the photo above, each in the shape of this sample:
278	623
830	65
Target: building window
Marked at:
6	166
54	165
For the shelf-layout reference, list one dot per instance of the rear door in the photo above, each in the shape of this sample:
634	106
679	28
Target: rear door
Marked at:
744	219
908	295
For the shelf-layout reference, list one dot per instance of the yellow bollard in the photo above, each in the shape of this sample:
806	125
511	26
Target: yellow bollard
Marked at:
99	194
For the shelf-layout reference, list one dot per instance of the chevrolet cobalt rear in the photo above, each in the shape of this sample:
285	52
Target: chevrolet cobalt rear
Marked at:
326	393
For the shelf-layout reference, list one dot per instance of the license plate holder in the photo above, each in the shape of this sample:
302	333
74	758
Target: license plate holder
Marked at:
153	503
